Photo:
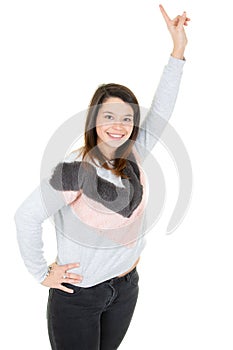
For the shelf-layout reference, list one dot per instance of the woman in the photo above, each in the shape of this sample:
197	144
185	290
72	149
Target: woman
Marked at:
98	197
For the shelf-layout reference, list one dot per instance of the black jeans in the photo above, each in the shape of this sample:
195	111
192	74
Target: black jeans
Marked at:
94	318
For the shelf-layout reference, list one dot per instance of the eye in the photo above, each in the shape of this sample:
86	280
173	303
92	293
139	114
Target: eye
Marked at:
128	120
108	116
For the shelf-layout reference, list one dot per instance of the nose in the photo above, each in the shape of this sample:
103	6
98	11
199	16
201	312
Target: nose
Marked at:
117	126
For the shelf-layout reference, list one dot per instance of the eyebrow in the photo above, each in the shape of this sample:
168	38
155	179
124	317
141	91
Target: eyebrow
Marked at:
126	115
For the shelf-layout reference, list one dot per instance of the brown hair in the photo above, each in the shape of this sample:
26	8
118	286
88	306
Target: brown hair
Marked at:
90	147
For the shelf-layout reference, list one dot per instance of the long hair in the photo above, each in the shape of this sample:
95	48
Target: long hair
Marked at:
90	147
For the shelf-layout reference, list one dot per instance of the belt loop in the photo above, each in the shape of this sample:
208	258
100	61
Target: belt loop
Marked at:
127	277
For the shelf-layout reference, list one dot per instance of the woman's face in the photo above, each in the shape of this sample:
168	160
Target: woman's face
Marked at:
114	124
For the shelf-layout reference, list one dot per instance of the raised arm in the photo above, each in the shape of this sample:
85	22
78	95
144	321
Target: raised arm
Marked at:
165	97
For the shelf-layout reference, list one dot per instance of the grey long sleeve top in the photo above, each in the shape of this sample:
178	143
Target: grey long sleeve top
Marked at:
92	224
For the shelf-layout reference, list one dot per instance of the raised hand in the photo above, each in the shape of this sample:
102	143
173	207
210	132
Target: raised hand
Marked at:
176	29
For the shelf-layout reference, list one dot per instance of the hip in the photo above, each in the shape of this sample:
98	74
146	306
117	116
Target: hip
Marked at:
132	267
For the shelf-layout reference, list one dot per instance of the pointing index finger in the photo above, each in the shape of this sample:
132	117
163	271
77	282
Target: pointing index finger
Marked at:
165	15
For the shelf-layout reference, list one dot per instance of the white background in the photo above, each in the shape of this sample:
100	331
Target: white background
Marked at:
54	54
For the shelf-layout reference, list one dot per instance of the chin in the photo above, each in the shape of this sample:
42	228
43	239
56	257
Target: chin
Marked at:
116	144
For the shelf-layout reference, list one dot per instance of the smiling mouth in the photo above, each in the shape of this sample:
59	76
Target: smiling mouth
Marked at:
115	136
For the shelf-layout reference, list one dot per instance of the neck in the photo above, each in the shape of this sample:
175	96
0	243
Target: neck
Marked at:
108	152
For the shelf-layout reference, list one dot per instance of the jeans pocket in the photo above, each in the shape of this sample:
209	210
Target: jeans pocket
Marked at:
134	278
76	290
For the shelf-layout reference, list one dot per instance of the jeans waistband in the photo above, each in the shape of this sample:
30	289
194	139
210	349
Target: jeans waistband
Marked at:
112	280
125	277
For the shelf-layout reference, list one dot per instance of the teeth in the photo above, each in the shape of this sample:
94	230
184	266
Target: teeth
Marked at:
116	135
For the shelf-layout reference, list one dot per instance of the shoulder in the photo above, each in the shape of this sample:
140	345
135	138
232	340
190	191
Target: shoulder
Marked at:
77	156
63	173
69	174
72	156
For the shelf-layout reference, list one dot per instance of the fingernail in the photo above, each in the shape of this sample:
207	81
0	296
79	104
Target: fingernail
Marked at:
77	264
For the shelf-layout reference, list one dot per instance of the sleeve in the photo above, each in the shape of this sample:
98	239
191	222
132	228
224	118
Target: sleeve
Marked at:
161	107
43	202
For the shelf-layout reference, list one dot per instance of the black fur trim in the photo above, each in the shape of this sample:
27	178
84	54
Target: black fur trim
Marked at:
77	175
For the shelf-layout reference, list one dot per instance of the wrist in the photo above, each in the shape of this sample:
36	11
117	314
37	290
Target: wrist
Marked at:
178	53
48	271
50	267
